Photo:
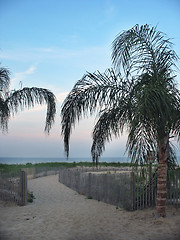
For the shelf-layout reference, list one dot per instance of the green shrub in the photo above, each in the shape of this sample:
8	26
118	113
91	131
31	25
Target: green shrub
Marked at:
31	197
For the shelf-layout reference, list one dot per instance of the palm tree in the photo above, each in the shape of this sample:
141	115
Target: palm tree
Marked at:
143	99
146	54
12	101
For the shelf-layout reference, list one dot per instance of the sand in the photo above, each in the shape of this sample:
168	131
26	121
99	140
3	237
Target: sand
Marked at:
60	213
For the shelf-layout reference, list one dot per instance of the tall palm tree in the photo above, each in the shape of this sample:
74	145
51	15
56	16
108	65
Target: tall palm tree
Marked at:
12	101
143	99
147	54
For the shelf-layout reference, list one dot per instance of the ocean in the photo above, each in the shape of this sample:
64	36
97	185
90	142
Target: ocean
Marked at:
24	160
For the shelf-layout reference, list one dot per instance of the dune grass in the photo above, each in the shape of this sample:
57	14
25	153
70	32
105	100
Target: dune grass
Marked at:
18	167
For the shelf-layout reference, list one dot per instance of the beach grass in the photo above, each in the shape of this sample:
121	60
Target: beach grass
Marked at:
18	167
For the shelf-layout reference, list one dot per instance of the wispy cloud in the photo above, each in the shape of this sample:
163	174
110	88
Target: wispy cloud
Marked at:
54	53
19	76
39	108
61	97
30	70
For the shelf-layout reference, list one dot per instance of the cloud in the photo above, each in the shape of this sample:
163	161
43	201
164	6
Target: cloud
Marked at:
61	96
19	76
39	108
30	70
56	53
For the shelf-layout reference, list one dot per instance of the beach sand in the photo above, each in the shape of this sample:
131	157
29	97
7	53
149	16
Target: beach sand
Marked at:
60	213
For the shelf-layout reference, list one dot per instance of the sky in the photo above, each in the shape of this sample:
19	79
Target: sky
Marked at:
52	44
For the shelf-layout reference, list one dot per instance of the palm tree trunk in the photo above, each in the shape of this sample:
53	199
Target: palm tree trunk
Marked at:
162	178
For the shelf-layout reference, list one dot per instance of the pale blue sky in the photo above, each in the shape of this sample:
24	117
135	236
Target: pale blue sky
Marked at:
51	44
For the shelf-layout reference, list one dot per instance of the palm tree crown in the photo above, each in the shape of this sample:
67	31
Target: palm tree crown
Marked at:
144	100
12	101
147	55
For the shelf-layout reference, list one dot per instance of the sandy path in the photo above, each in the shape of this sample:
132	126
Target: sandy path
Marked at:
60	213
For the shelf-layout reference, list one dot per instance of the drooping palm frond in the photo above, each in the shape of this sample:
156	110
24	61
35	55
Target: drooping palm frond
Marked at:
92	93
141	140
143	49
111	122
4	86
4	79
28	97
4	115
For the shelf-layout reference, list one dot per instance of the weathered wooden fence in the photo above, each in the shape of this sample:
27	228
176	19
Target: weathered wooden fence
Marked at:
173	186
145	187
41	171
107	185
118	186
13	187
121	187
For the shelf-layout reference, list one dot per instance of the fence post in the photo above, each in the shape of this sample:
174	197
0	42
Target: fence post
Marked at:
34	172
132	190
23	180
105	187
89	183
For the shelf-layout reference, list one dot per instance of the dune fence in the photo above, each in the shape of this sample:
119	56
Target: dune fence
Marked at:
125	188
36	172
13	187
145	187
110	185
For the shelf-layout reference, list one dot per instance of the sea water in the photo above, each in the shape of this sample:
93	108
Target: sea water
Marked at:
24	160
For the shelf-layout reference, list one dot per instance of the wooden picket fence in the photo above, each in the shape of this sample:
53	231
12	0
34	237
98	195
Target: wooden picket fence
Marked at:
110	185
173	187
124	188
145	187
13	187
36	172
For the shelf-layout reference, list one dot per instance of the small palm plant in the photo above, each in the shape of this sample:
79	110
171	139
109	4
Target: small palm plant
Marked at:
140	96
13	101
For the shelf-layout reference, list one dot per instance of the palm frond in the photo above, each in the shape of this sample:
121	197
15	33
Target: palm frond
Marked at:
92	93
143	49
111	122
28	97
4	79
141	140
4	115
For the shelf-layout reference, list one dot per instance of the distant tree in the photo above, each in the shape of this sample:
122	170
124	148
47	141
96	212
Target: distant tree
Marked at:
145	101
13	101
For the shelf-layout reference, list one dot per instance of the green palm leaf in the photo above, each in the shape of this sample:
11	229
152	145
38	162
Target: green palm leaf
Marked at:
4	79
91	94
13	101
